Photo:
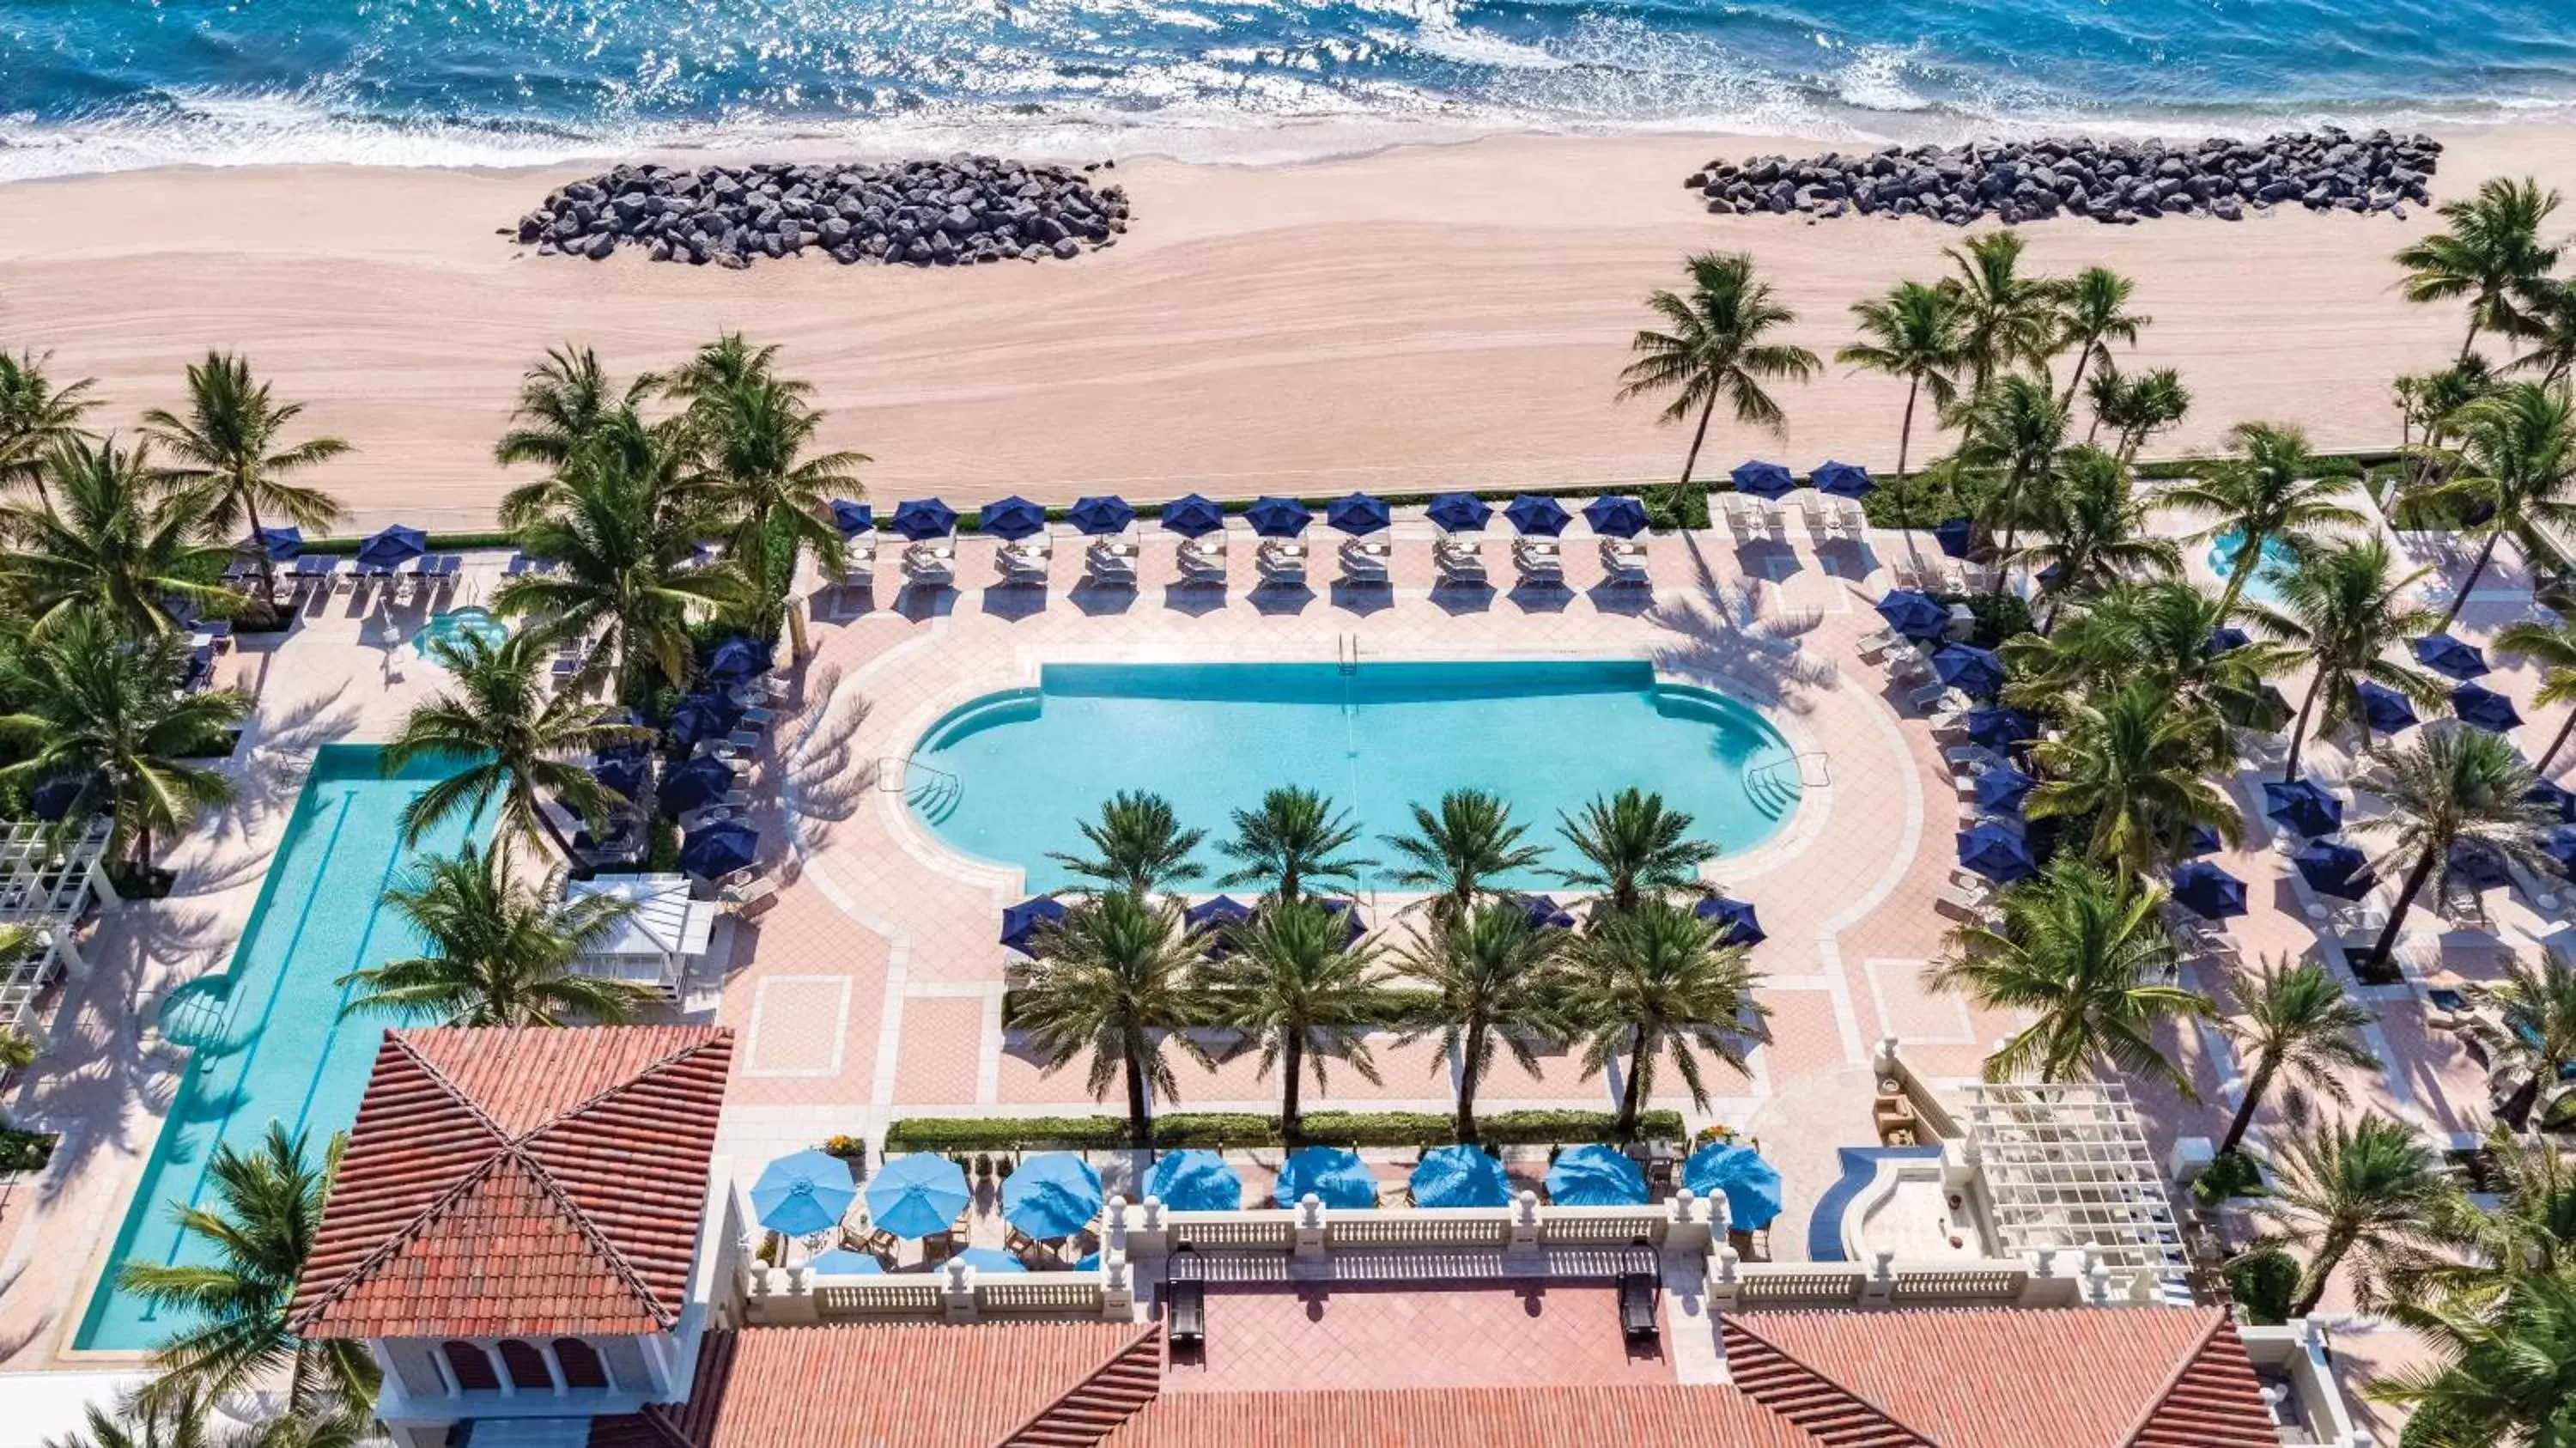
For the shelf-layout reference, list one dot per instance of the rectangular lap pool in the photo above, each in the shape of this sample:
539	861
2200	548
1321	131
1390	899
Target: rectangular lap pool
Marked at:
267	1038
1008	777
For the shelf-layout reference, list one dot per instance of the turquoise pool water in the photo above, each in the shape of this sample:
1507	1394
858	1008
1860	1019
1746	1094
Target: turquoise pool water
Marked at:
268	1039
1008	777
455	624
2265	586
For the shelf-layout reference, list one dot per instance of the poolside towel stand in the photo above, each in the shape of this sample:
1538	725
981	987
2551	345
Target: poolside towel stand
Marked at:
1637	1306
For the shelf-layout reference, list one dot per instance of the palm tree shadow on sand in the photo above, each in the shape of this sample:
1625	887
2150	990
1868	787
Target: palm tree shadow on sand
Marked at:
1723	629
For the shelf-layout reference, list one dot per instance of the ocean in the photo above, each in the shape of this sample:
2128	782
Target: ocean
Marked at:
92	85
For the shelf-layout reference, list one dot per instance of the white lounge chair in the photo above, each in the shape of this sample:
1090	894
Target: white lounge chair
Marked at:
1623	560
1110	561
1538	558
1461	559
1366	560
1026	561
1202	559
929	560
859	560
1280	560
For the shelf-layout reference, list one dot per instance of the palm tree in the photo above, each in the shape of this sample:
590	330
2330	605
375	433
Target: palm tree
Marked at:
36	417
1631	845
509	737
2538	1004
753	435
2005	317
2015	431
1495	974
2093	524
1294	839
2369	1184
2092	313
1716	349
2344	612
266	1208
94	706
111	538
500	952
2551	645
1117	981
2552	318
2297	1020
2270	488
1913	333
1655	981
2138	768
2516	459
1137	845
2526	1230
2503	1372
182	1418
1292	987
2450	787
2157	630
228	447
1470	840
2435	398
2135	408
2491	254
566	402
2085	954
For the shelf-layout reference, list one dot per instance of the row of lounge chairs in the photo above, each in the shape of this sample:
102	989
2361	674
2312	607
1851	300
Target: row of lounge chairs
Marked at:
314	576
1826	519
1111	562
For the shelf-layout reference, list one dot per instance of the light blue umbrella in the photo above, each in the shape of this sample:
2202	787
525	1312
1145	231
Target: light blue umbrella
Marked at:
842	1262
1333	1174
992	1260
1751	1185
916	1195
1460	1176
1053	1194
1194	1181
1594	1175
803	1194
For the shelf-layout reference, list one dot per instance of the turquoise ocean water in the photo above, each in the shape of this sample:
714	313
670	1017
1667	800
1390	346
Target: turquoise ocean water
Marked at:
96	84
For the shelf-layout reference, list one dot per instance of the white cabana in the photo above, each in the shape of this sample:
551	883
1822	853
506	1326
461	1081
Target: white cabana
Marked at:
661	933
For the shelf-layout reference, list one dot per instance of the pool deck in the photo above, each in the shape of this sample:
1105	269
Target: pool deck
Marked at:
871	986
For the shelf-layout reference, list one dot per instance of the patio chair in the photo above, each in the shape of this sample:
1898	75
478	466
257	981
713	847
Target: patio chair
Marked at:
1637	1306
1623	560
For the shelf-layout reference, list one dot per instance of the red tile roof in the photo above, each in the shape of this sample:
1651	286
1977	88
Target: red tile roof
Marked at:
1668	1416
508	1182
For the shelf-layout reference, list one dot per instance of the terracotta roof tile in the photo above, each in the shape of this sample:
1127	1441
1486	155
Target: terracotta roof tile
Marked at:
1663	1416
502	1182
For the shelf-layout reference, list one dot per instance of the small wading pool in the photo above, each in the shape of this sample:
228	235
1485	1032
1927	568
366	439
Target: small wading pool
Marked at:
2270	569
1009	777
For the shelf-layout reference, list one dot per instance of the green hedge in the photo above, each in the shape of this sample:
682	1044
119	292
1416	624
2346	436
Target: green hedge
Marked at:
1242	1129
26	1150
438	543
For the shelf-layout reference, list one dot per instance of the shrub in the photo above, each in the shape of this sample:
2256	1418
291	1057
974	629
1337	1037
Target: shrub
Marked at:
2264	1281
26	1150
847	1148
2229	1174
1675	505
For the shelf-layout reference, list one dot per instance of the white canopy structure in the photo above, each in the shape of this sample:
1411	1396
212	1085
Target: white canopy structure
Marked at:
661	933
48	876
2066	1165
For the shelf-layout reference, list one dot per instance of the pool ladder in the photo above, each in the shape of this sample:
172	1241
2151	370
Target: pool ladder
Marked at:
932	792
1346	653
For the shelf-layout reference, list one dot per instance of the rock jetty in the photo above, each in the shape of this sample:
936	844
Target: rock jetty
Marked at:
2114	181
928	213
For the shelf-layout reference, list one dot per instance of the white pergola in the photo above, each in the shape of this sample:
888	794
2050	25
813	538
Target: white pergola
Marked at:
662	931
2066	1165
47	877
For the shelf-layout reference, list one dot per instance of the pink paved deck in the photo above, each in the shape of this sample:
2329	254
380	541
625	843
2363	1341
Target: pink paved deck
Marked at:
1413	1335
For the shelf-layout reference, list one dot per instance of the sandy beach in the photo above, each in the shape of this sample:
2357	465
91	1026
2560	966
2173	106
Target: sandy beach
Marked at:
1427	316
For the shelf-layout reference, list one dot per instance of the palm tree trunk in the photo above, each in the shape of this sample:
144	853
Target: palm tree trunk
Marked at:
2469	343
2469	585
2075	379
2405	902
1471	1051
1140	1127
2320	1272
1632	1096
1292	1056
1905	429
1698	435
2551	756
259	545
2260	1082
2299	730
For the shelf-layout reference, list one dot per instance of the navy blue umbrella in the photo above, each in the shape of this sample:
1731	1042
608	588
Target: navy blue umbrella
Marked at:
53	799
1193	516
2478	864
621	777
701	717
1538	514
719	850
923	518
280	544
1969	669
2560	847
2208	890
1615	517
2484	707
2332	867
1914	613
1843	480
740	658
391	546
695	785
1358	514
1022	922
1763	480
1544	913
1101	515
1214	918
1278	517
2226	638
1353	927
2001	728
1737	924
1954	535
2448	656
1010	519
1460	512
851	518
2303	806
2201	841
2384	709
2559	800
1996	853
2003	790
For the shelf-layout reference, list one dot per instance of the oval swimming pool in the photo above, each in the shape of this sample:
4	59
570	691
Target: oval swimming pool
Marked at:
1009	777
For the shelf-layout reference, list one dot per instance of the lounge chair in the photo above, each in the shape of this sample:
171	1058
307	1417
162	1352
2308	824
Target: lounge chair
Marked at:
1637	1306
1281	561
1623	560
1538	559
1461	560
930	560
1366	560
859	560
1110	561
1026	561
1188	1303
1203	559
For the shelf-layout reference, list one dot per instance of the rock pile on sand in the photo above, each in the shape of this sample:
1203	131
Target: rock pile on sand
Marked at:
928	213
2111	181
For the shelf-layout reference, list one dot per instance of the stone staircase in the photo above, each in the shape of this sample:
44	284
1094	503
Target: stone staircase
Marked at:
1099	1404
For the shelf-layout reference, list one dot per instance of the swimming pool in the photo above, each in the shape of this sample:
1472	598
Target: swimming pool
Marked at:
268	1039
2265	586
1008	777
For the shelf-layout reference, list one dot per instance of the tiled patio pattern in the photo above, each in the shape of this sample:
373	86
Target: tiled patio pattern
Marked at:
1412	1335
